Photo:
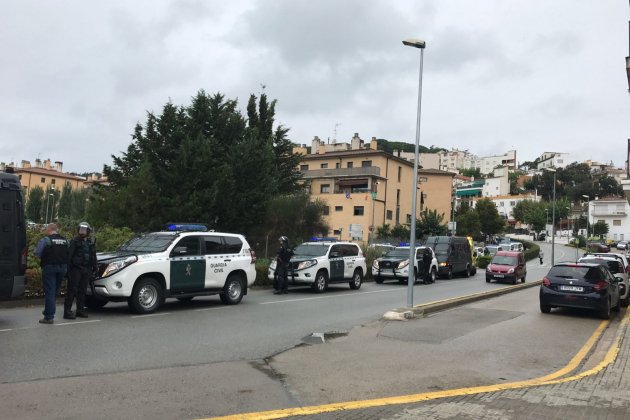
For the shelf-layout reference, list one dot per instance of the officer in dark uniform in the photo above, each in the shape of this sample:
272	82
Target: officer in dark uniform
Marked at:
426	259
52	251
282	266
81	264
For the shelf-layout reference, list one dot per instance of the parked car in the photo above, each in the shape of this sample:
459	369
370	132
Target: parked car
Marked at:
492	249
597	247
617	269
395	265
507	266
580	285
622	245
319	263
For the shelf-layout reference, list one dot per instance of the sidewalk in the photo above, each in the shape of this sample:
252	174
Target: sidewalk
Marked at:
602	392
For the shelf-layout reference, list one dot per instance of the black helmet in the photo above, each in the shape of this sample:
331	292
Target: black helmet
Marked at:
284	240
84	228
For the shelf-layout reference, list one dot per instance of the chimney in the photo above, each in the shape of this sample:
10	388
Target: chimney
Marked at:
58	165
315	145
355	142
373	144
38	163
25	164
47	164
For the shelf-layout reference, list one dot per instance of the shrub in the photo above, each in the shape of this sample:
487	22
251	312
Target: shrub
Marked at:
262	267
483	261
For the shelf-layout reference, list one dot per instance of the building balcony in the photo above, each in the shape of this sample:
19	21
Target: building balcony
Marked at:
609	213
342	172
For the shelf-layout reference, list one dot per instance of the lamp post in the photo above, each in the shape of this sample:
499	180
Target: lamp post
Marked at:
47	204
372	227
415	43
588	213
553	216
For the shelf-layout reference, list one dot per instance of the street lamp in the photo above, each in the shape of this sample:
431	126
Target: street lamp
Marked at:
588	212
415	43
47	204
553	216
372	227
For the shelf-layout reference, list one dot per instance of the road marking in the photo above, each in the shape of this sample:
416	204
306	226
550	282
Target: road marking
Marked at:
212	309
77	322
415	398
329	296
151	315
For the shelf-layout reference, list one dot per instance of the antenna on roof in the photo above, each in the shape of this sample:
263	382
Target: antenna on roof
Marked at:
335	133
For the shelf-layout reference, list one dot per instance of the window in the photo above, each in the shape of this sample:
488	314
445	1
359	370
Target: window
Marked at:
349	164
350	250
338	208
389	215
501	204
324	188
409	218
233	245
20	176
326	211
52	181
512	203
399	173
398	197
366	163
337	165
303	167
616	222
358	210
191	245
337	232
43	180
213	244
323	166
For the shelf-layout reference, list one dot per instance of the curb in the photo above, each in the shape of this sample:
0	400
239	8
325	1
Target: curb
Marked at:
441	305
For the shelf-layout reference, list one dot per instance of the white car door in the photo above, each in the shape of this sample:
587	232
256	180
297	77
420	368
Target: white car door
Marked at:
217	261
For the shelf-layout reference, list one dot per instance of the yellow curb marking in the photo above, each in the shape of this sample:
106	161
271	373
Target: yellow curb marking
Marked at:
414	398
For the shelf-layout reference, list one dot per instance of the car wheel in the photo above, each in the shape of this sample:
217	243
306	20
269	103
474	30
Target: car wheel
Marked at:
467	274
523	278
357	279
232	291
378	280
321	282
605	312
94	302
617	307
545	309
487	279
433	276
626	301
147	296
515	279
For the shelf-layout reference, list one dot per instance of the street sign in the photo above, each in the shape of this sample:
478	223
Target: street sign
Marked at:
373	195
371	228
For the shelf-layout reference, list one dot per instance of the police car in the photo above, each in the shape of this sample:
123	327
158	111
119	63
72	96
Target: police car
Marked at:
183	262
395	265
320	263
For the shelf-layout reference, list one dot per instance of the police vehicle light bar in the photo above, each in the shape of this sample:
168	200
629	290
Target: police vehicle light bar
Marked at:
186	227
317	239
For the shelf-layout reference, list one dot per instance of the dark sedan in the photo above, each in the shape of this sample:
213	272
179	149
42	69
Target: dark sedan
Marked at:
580	285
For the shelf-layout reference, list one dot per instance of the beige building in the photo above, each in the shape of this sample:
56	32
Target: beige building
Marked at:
45	174
364	188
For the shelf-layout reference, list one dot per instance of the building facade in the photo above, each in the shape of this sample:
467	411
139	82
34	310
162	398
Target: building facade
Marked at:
46	175
614	212
553	160
363	188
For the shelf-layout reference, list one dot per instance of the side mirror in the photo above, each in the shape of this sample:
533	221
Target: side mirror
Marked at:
619	278
179	250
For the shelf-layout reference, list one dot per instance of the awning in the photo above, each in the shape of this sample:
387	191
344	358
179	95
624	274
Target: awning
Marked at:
468	193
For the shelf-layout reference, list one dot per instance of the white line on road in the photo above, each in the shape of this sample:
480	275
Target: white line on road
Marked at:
329	296
77	322
150	315
212	309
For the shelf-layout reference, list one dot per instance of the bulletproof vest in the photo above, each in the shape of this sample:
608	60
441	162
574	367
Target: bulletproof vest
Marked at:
55	251
81	257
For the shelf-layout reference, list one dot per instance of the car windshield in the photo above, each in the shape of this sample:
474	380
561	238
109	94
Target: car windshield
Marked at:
441	249
613	266
504	260
311	250
398	252
589	274
148	243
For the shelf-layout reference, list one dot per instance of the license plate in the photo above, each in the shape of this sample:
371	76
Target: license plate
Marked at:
387	271
572	288
499	276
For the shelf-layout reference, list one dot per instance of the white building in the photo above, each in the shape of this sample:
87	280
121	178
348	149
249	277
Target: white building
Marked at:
553	160
614	212
498	184
454	159
505	204
487	164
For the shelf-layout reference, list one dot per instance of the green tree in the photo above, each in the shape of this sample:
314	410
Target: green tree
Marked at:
34	204
400	232
600	228
384	231
563	206
536	217
468	224
491	221
471	172
513	179
430	223
65	202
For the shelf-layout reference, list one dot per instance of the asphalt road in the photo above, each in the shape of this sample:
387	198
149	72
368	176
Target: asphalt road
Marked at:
202	331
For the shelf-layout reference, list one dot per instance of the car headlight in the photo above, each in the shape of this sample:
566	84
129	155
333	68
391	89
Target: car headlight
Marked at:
376	263
115	266
511	270
403	264
306	264
273	264
444	264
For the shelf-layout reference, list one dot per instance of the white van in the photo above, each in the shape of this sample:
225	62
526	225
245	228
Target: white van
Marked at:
517	247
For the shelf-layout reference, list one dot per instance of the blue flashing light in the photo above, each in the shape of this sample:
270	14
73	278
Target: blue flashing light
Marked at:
317	239
186	227
403	244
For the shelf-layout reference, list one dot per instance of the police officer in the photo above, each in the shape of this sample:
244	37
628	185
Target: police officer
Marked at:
81	264
52	250
282	266
426	259
541	255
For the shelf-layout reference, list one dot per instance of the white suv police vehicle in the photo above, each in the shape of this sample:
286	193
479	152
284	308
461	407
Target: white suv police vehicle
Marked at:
320	263
183	262
395	265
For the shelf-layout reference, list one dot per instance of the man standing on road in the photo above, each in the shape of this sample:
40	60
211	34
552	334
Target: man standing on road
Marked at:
426	259
541	255
282	266
52	250
82	262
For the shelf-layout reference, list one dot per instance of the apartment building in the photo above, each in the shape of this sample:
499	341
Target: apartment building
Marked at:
553	160
45	174
364	188
614	212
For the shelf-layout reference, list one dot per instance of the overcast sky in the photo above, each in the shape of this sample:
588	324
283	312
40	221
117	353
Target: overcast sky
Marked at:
530	75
